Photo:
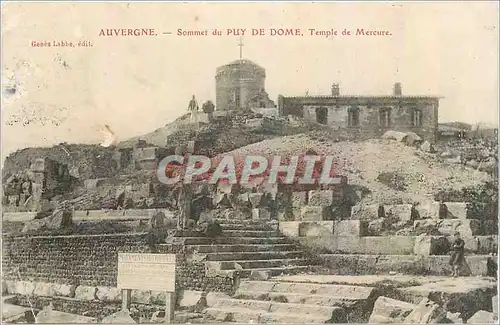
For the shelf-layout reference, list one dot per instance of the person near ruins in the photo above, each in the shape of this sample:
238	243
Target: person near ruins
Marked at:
457	258
193	105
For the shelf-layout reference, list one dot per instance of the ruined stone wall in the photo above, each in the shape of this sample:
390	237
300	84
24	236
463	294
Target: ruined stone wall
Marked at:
83	161
87	260
369	107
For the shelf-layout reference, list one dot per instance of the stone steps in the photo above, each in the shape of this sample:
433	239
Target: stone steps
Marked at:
235	256
244	226
241	248
232	233
307	288
270	271
236	240
259	264
242	311
245	315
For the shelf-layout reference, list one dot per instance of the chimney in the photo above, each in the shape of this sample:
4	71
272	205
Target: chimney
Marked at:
335	90
398	91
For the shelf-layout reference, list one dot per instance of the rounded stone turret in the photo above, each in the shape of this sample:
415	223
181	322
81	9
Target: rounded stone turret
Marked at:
237	82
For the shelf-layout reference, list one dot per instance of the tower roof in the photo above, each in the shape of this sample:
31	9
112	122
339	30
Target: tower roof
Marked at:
244	63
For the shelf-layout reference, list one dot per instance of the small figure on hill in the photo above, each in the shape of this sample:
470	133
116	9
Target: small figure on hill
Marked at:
193	105
457	259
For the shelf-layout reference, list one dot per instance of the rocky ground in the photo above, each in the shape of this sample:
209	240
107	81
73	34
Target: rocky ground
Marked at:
420	174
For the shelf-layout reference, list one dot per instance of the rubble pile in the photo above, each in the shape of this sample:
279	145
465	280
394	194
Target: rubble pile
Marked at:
363	162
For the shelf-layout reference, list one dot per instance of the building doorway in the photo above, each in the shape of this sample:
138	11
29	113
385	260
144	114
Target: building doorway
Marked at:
322	115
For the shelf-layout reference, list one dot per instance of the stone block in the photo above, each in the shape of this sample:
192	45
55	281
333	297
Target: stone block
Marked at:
430	210
257	275
213	297
431	245
261	214
389	245
482	317
189	298
109	294
148	153
426	312
322	198
314	213
33	225
255	199
299	199
290	228
64	290
120	317
387	310
20	287
13	200
59	219
458	210
39	165
351	228
467	228
367	212
44	289
316	228
85	293
401	212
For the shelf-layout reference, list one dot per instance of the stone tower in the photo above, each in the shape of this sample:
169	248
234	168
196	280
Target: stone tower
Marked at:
237	83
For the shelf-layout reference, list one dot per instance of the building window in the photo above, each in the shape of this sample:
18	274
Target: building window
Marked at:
353	116
322	115
236	98
384	117
416	117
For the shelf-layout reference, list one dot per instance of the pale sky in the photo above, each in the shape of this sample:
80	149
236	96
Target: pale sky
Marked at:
137	84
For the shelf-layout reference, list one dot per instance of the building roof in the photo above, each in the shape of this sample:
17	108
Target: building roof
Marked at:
365	97
241	62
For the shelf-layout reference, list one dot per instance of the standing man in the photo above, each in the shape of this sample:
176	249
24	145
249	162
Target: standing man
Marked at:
193	105
457	259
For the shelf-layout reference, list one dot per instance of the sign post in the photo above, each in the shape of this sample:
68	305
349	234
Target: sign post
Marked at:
154	272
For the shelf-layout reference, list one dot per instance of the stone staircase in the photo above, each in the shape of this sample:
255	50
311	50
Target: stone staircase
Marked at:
247	247
294	302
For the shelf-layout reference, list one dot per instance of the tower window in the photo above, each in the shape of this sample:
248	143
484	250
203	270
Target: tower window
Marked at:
236	98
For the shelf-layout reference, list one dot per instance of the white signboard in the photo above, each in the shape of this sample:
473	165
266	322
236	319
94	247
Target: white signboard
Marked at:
146	272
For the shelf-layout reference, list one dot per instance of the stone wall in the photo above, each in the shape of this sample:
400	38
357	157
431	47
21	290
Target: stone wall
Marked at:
369	123
91	260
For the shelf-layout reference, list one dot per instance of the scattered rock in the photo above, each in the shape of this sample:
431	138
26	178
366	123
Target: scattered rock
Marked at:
427	147
259	275
189	298
482	317
454	318
33	225
387	310
85	293
426	312
108	294
121	317
395	135
60	219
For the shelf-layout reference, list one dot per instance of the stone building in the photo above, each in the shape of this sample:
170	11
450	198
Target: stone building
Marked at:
368	115
241	85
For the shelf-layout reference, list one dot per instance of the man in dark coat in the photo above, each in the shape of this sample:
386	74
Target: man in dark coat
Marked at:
457	258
